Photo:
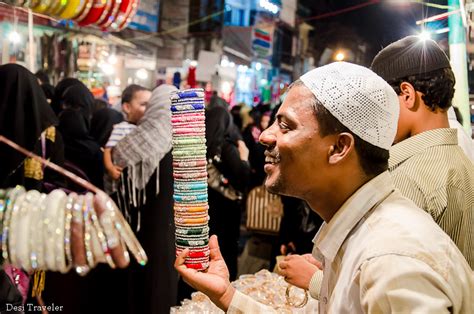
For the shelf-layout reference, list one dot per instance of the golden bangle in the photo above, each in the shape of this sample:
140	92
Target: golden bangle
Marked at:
291	303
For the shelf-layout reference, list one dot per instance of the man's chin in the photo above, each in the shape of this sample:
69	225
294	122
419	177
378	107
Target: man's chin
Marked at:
273	186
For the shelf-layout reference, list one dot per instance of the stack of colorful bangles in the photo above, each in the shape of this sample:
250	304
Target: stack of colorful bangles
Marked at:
190	176
108	15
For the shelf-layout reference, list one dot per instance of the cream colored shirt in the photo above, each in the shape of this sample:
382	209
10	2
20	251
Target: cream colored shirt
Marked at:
389	259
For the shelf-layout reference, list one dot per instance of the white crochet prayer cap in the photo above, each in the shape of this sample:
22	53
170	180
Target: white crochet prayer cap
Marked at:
357	97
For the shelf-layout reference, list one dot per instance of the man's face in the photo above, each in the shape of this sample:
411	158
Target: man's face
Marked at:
296	157
135	109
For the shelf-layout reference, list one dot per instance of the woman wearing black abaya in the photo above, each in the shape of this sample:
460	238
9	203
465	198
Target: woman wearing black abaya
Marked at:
226	213
27	119
57	100
102	123
74	123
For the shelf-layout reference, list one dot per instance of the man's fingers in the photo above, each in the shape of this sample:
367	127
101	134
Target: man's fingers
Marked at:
181	258
215	252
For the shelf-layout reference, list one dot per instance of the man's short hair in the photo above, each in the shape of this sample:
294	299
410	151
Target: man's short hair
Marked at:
437	87
373	159
130	91
423	64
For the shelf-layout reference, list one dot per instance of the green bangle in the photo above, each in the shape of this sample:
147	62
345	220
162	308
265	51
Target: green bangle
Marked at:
192	242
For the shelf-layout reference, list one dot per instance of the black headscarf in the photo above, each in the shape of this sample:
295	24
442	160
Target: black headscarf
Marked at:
24	114
78	97
56	102
48	91
102	122
74	125
218	129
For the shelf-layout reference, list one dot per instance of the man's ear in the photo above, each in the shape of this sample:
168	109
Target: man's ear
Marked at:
341	148
407	96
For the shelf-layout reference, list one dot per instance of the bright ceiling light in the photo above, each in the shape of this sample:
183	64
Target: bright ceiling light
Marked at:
340	56
142	74
424	35
14	37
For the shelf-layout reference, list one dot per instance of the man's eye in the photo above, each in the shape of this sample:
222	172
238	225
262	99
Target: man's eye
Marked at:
283	126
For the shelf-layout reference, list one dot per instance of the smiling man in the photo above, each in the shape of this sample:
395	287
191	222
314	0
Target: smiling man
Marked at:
379	252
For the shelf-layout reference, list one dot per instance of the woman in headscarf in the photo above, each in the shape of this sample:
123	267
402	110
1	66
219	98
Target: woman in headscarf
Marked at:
56	101
225	213
74	123
145	154
27	119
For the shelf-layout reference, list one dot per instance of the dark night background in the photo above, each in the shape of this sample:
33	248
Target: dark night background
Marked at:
373	24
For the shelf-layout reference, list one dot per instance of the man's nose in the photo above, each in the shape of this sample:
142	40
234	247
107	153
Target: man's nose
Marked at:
268	138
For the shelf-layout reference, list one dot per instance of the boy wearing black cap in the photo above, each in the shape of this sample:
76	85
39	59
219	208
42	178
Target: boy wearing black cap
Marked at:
426	163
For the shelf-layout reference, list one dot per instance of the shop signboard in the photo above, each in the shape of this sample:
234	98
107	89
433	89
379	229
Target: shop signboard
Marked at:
262	40
146	18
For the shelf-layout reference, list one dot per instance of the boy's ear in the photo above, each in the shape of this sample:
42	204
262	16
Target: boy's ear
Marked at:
126	107
407	96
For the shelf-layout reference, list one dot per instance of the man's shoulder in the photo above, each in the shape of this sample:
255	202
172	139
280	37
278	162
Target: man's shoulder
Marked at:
399	227
433	168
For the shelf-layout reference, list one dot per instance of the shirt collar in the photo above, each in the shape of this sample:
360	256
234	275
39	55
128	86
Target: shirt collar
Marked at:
420	142
332	235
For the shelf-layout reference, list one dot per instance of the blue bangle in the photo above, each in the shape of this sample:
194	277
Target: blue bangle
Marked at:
180	198
194	106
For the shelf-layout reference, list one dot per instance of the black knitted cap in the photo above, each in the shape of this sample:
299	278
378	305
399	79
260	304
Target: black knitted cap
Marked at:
409	56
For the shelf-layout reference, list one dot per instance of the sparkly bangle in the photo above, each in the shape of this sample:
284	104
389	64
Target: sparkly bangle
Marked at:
36	236
3	200
291	303
59	233
196	254
23	230
12	234
67	230
77	238
192	231
189	163
192	106
100	234
188	198
189	93
197	266
188	118
125	231
52	224
192	242
191	186
87	232
191	221
10	203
